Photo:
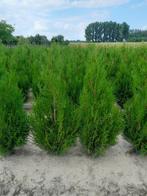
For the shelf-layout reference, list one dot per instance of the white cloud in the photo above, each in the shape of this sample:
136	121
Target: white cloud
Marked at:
63	3
40	25
71	27
97	3
39	16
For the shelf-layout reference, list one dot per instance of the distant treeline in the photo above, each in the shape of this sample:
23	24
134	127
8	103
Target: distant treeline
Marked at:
138	35
42	40
107	32
7	37
95	32
113	32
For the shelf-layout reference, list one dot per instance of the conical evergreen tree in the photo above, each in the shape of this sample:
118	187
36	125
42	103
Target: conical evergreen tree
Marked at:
52	118
14	127
136	120
100	120
123	85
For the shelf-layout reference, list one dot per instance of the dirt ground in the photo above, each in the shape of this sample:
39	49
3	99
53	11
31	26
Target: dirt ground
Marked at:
32	172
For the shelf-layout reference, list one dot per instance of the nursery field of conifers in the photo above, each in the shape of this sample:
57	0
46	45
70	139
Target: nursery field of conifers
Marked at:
93	93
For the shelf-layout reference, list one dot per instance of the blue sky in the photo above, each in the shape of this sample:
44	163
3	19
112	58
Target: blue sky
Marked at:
70	17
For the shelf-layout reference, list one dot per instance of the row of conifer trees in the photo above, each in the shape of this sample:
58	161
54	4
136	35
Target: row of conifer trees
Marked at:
94	93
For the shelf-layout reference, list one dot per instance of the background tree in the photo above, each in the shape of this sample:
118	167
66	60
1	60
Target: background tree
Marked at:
38	40
106	32
137	35
125	30
6	31
22	40
59	39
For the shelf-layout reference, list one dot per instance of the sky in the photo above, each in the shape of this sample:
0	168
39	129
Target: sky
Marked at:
70	17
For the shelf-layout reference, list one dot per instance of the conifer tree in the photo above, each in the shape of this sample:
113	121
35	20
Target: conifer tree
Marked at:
136	120
52	118
100	120
14	127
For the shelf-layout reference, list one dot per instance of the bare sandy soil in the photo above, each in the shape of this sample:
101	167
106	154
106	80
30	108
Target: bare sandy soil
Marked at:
32	172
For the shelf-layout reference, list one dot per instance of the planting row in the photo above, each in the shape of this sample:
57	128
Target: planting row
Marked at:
94	93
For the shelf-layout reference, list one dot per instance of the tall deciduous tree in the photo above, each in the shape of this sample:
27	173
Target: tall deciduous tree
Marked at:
125	30
6	31
107	32
38	40
59	39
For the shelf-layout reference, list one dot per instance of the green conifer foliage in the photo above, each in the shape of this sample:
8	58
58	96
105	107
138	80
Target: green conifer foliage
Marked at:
100	120
21	62
123	85
136	120
14	127
52	118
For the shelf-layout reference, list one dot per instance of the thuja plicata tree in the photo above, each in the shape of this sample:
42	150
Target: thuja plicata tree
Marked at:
73	70
2	71
136	122
38	66
52	118
136	108
136	119
14	126
100	119
21	61
123	86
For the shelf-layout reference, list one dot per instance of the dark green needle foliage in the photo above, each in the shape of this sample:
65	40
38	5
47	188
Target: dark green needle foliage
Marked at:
123	85
20	63
13	120
136	121
74	71
52	118
2	71
99	117
75	88
3	60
